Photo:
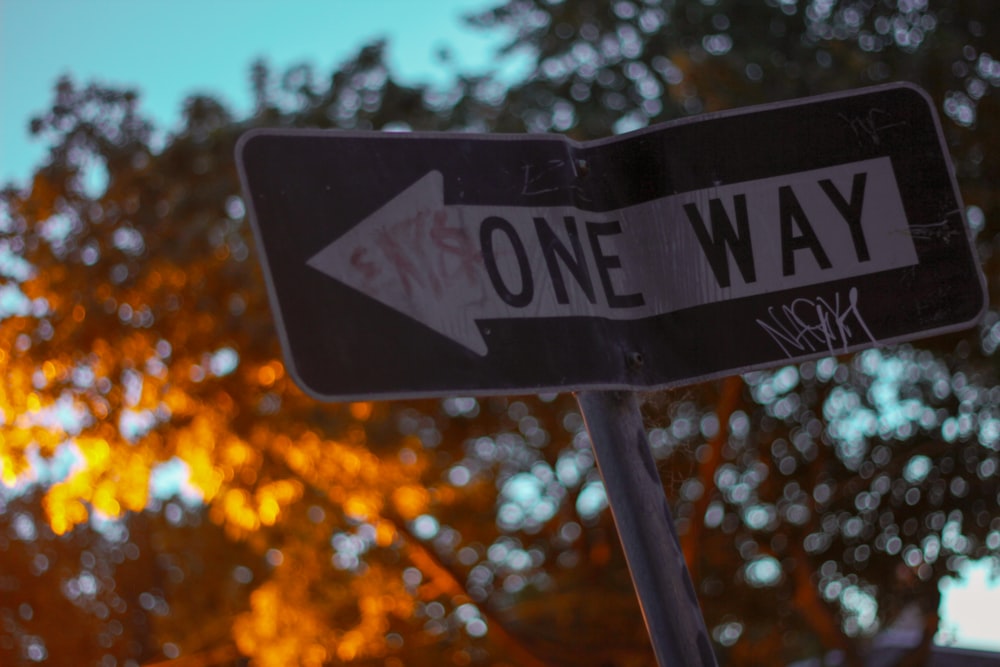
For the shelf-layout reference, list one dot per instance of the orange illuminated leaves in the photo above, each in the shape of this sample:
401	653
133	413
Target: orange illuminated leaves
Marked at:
411	501
385	533
269	373
362	411
361	506
195	445
95	450
289	624
109	480
64	508
235	509
178	401
380	593
277	636
271	499
352	476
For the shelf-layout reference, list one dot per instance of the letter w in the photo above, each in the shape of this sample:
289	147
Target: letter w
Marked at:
723	236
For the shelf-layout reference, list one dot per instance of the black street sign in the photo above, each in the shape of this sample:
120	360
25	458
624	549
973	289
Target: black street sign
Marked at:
421	264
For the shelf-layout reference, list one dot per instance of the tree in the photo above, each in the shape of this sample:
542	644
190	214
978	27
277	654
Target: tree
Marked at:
813	501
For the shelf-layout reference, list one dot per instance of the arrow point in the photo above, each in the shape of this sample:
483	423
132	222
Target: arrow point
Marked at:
466	334
426	193
355	259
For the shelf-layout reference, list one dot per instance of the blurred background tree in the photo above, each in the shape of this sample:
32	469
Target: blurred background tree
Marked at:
171	496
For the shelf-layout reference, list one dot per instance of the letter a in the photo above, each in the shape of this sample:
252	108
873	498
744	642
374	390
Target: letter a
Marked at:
791	212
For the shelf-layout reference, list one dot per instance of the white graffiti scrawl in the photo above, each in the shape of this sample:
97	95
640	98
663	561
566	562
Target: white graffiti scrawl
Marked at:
817	325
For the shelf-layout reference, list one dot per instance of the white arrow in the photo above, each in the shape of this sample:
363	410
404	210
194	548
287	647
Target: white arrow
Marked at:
450	266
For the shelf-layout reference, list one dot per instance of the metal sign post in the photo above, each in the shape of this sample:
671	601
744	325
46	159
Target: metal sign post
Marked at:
646	529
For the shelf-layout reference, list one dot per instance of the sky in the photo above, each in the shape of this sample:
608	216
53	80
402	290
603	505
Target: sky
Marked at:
170	49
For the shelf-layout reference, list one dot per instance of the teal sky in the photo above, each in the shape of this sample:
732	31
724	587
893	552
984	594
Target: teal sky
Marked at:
169	49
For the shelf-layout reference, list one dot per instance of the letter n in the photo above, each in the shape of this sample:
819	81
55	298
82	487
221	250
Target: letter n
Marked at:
553	248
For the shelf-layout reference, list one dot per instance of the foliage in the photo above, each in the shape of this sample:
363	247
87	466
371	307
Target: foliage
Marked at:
168	493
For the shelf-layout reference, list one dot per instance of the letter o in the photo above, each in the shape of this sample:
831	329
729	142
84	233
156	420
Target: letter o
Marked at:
486	230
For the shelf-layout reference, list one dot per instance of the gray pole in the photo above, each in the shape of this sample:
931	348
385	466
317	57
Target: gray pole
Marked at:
646	529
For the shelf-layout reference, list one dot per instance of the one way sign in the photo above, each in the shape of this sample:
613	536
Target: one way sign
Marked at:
406	264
